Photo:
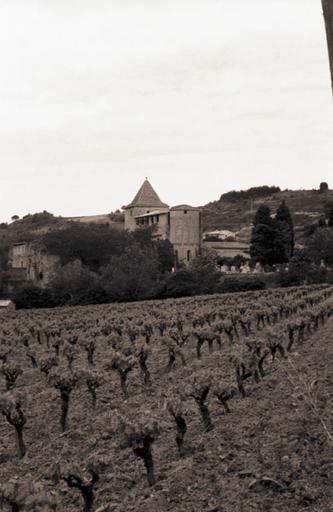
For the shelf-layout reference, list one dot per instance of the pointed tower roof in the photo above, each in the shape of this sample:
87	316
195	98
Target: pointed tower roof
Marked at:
147	197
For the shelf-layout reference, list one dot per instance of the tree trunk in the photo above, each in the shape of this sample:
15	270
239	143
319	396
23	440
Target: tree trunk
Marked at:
123	384
181	431
328	15
204	411
145	453
93	397
88	497
146	374
172	359
91	357
64	411
14	507
19	441
149	463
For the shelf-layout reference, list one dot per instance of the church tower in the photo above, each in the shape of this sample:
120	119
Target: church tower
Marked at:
145	201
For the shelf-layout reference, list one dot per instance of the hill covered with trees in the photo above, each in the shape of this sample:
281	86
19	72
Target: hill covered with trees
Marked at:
235	211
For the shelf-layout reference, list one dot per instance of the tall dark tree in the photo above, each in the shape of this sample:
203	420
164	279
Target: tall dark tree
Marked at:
285	226
134	275
323	187
262	216
263	239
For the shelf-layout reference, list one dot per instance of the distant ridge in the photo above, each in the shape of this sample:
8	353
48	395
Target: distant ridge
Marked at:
234	211
306	207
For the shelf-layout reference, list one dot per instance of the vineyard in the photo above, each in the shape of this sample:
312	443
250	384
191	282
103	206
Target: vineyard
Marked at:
218	403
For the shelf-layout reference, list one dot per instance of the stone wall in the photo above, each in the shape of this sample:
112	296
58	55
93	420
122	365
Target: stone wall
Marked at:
39	266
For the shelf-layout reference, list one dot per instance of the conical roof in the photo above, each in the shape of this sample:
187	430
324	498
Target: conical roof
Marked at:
147	197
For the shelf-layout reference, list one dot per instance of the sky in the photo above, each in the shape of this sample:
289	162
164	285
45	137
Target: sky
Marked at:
200	96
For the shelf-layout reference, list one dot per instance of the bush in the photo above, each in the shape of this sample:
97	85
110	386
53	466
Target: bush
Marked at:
180	284
232	284
251	193
199	278
30	296
135	275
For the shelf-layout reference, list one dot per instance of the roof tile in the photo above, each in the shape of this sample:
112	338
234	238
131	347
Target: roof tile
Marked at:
147	197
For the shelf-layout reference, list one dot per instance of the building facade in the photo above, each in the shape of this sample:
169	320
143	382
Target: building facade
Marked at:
33	261
146	201
181	225
228	249
7	306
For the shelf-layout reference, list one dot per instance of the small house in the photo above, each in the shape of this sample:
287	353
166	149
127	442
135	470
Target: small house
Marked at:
6	306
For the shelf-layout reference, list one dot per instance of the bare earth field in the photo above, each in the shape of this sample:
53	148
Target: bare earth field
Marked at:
272	452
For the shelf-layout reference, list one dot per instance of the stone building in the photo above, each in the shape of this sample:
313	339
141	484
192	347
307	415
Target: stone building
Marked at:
145	202
228	248
7	306
33	261
181	225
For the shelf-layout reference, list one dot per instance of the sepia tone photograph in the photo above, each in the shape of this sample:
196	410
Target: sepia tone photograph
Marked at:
166	256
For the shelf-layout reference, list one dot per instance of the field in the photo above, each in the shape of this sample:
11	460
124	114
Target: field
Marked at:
205	404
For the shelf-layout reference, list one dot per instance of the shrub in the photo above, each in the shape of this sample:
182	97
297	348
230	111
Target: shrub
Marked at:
233	284
31	296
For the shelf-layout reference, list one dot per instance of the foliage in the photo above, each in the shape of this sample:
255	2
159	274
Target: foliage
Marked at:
140	436
272	240
286	227
11	408
319	246
236	261
200	277
301	270
92	244
243	284
75	284
263	236
30	296
133	275
323	187
251	193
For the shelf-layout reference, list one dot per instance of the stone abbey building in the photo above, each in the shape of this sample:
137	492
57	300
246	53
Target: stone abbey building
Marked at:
180	224
30	261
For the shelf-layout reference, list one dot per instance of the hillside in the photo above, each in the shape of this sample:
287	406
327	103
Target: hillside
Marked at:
268	448
306	206
228	213
36	225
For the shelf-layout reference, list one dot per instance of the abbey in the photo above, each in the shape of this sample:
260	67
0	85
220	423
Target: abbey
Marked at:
180	224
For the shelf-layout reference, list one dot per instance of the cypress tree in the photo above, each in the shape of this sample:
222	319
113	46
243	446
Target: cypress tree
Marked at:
262	216
285	228
263	237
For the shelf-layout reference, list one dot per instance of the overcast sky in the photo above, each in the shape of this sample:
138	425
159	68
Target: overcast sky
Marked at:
201	96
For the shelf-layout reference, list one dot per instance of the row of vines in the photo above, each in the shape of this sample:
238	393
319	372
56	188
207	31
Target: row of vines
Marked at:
88	390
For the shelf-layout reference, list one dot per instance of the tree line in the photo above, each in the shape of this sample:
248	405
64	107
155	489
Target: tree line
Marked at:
273	243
